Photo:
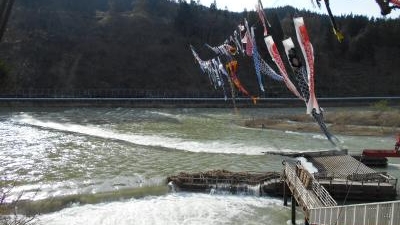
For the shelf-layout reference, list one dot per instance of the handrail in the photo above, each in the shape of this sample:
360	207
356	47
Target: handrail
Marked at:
305	195
323	194
382	213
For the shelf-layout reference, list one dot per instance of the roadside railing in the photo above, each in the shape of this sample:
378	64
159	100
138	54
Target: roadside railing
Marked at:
143	93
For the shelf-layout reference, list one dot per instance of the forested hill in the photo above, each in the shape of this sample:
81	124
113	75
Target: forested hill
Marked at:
144	45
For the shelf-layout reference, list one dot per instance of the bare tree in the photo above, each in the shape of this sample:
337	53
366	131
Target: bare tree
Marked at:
9	210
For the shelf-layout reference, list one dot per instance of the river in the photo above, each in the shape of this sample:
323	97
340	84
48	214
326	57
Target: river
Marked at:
109	165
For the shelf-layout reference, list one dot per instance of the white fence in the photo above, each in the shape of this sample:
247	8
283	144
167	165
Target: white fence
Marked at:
323	194
318	190
308	198
384	213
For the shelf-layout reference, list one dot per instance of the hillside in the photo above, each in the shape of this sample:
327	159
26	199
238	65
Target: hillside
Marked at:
139	44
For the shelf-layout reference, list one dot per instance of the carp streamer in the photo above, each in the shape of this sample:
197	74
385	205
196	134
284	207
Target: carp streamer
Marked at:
273	51
212	69
262	17
308	52
232	68
222	70
261	67
302	78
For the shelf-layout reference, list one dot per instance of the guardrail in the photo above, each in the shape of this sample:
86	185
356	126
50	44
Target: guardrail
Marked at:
383	213
142	93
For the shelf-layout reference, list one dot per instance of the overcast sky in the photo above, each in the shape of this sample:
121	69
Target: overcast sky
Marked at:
339	7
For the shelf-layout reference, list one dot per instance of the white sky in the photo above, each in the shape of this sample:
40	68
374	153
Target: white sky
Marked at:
339	7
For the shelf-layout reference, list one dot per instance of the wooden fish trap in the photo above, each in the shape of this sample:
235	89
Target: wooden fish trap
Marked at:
258	183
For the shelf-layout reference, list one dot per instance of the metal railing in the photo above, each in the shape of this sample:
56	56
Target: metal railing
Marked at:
309	200
144	93
323	194
319	191
383	213
107	93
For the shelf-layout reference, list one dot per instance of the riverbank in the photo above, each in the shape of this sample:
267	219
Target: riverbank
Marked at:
365	122
375	119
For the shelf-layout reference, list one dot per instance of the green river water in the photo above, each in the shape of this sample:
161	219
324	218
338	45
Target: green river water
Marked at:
109	165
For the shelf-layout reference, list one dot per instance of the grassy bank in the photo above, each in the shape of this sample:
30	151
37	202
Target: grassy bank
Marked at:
350	122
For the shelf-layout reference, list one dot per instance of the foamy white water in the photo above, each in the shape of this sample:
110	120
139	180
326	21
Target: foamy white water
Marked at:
175	209
146	140
307	165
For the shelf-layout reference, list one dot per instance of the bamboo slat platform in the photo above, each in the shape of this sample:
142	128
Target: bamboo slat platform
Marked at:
345	176
342	166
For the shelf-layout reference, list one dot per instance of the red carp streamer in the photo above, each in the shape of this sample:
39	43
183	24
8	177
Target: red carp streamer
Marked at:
273	51
308	52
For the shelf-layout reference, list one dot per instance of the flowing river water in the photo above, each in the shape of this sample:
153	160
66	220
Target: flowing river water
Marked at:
109	165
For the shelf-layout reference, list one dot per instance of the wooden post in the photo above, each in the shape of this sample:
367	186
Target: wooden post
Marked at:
284	194
293	210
